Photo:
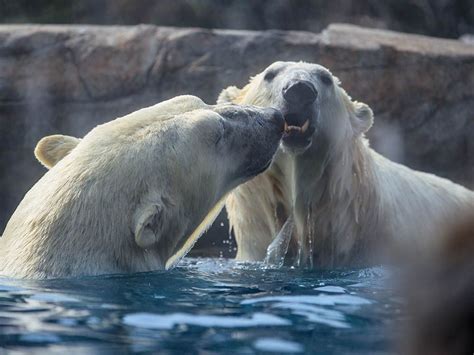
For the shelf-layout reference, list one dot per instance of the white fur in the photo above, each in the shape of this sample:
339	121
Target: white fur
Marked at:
345	198
133	195
51	147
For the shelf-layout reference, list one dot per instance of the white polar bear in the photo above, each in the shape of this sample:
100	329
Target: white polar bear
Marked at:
135	193
342	196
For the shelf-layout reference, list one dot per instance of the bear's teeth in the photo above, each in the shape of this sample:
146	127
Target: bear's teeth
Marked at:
294	128
305	126
289	129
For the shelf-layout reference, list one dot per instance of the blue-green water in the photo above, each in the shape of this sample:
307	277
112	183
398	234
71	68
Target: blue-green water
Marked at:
203	306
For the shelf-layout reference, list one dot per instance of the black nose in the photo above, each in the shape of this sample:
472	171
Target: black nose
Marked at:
300	92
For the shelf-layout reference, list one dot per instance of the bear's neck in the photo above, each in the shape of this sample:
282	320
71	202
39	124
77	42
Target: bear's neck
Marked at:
332	204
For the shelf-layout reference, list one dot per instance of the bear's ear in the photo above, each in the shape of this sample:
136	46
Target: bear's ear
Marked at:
52	149
363	117
146	222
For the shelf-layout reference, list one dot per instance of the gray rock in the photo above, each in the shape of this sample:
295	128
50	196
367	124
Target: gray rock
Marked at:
67	79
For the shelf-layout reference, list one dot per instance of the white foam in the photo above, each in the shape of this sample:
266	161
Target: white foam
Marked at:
322	300
277	345
168	321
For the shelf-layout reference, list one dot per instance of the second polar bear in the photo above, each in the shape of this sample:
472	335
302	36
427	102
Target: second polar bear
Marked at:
343	197
135	193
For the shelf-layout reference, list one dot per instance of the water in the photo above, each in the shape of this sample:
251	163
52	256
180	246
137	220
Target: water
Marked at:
278	248
205	306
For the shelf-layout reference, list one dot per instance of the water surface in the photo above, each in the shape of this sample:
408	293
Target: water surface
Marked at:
203	305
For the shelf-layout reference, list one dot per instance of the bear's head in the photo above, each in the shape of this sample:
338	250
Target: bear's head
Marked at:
173	162
242	134
313	104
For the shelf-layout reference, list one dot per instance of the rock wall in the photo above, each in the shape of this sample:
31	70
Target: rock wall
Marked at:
439	18
67	79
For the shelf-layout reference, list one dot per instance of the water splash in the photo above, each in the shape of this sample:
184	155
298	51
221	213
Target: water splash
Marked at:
277	250
229	242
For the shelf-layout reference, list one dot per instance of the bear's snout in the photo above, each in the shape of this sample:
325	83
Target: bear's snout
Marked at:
275	117
299	93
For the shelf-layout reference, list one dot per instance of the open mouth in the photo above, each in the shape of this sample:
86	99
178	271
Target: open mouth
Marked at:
297	135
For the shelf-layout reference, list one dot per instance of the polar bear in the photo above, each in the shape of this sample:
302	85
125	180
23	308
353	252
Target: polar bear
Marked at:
135	193
341	196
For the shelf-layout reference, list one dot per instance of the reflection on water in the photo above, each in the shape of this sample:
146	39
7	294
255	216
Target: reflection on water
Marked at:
203	305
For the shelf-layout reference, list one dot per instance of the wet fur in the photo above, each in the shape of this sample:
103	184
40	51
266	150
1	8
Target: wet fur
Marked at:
134	194
347	200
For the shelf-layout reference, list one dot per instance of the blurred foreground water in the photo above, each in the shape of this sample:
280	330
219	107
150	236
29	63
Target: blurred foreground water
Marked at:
203	306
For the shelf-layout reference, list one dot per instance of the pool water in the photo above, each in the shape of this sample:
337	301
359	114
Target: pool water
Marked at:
203	306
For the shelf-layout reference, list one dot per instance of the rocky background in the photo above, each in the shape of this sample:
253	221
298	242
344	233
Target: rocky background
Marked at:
67	79
439	18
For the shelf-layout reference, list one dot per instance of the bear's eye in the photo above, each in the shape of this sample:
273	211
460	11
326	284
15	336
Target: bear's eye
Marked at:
326	79
269	75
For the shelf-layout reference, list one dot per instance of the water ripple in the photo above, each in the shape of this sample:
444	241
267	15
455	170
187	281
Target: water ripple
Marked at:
168	321
324	300
208	305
